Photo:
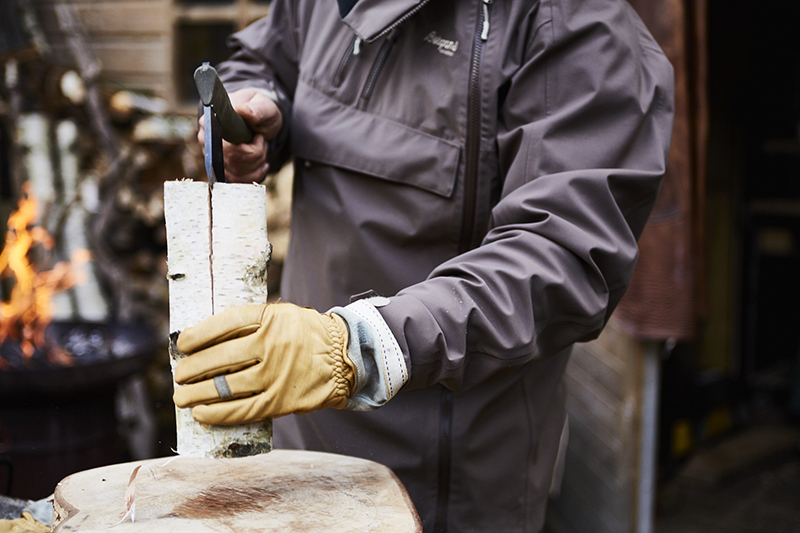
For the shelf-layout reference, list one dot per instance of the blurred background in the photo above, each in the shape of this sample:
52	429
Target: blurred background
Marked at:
683	415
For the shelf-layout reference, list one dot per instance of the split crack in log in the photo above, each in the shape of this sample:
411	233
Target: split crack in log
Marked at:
218	255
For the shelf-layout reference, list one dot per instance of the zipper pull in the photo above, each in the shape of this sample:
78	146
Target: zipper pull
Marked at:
485	31
394	34
357	46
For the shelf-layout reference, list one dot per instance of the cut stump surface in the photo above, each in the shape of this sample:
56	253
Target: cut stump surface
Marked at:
283	490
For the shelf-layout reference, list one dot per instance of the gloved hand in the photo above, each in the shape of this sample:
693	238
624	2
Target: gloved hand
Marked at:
263	361
26	524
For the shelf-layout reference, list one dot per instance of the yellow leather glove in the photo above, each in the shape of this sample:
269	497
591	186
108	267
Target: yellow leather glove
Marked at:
263	361
26	524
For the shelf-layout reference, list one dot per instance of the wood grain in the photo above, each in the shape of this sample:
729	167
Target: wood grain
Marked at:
284	490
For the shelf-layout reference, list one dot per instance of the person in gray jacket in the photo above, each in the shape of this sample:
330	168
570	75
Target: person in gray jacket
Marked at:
472	176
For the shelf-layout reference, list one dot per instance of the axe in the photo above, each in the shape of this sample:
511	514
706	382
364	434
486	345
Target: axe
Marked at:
219	120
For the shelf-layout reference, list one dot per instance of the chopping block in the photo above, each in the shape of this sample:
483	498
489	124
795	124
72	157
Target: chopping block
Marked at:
284	490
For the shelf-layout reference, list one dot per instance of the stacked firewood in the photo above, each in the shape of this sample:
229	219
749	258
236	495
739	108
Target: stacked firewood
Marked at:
97	163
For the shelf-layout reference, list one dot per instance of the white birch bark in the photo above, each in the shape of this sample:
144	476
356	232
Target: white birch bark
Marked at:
62	214
217	252
34	139
85	300
239	244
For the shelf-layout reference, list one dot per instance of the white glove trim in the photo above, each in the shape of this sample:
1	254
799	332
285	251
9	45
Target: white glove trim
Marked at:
394	364
380	366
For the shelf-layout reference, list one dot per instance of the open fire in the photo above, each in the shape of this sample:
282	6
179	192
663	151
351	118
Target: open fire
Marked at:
58	377
25	314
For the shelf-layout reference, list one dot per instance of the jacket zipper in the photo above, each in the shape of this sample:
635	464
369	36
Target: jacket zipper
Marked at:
473	143
468	221
353	50
400	21
377	67
445	459
356	43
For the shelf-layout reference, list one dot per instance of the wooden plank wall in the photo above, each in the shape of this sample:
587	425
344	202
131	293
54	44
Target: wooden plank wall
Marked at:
600	485
136	40
131	38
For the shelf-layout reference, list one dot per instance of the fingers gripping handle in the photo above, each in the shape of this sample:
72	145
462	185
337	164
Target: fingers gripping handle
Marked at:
233	128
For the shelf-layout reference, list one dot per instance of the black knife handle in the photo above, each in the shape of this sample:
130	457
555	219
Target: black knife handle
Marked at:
212	93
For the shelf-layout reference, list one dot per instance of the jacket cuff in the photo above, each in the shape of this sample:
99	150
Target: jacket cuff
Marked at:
380	366
270	93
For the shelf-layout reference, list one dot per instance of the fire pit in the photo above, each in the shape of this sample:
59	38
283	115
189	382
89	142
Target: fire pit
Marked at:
96	355
56	419
58	380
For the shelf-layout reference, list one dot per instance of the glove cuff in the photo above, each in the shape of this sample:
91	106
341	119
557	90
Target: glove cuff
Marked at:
344	371
376	356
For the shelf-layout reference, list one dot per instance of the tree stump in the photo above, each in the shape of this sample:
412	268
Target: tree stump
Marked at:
285	490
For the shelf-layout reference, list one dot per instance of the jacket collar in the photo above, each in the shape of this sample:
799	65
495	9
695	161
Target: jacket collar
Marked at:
370	19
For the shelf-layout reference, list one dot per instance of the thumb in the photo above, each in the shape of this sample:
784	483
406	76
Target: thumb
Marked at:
262	114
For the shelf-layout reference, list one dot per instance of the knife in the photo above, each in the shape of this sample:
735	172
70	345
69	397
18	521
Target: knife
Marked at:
219	120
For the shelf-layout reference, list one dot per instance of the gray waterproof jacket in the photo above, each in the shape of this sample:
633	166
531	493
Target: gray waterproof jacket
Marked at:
489	166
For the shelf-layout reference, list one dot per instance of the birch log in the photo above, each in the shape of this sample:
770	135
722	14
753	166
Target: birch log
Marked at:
52	165
85	301
217	252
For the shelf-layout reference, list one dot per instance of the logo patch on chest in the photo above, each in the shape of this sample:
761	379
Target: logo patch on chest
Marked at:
445	46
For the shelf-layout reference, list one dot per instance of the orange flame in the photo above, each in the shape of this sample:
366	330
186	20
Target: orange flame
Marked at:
28	311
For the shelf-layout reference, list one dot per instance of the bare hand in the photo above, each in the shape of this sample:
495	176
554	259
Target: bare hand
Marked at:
247	162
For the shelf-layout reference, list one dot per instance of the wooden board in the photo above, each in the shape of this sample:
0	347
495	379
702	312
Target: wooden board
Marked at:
599	492
218	254
284	490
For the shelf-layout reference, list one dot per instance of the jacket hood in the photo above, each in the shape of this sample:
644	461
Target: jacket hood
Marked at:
370	19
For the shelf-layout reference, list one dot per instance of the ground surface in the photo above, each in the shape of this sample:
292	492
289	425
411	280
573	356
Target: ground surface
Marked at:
764	497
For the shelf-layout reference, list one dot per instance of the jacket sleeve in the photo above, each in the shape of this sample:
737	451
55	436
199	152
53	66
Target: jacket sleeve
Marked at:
583	136
265	56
